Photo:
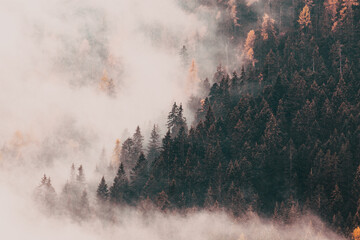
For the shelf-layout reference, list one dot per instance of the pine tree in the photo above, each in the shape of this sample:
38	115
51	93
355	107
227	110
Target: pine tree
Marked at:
102	165
107	85
72	173
115	158
154	145
210	198
171	121
209	118
84	205
138	140
356	187
356	233
80	177
45	195
119	189
184	56
304	17
336	199
102	192
249	47
176	120
128	154
139	174
162	201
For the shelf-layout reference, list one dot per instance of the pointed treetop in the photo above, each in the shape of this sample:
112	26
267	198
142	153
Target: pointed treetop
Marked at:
304	17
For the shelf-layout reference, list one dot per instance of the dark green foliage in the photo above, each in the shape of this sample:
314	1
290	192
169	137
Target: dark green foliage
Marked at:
119	189
102	192
138	140
279	138
154	145
176	120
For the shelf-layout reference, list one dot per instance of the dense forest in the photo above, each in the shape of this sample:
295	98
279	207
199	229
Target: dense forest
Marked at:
279	137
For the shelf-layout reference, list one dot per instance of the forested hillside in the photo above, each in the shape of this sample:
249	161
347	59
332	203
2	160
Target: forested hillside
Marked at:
279	136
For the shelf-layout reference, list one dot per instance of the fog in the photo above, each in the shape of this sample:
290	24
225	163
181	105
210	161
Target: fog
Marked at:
53	57
21	220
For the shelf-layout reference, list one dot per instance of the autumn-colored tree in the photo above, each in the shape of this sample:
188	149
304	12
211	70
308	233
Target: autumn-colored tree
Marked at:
115	158
107	85
304	17
249	47
233	12
331	7
193	80
356	234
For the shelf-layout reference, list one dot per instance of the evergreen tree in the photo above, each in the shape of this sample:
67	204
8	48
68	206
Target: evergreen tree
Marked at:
162	201
139	174
128	154
80	177
119	188
138	140
154	145
102	192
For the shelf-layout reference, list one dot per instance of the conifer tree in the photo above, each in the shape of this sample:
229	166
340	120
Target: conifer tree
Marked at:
139	174
119	189
304	17
138	140
80	177
102	192
128	154
154	145
162	201
115	158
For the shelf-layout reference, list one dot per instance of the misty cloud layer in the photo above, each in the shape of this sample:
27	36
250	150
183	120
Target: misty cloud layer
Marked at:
133	224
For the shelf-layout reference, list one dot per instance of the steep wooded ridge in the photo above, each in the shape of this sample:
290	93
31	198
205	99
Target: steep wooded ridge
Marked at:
280	137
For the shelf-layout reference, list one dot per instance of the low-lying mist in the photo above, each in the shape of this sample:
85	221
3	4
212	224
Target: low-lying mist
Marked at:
22	219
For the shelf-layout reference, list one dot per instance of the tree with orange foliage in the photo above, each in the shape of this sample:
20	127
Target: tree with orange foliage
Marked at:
331	7
107	85
233	12
346	18
304	17
249	47
115	159
193	79
356	234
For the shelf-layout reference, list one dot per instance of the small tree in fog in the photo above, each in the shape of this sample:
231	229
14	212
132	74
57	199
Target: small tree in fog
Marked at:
154	145
115	158
162	201
119	187
138	140
72	173
80	176
102	192
128	156
45	194
84	206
